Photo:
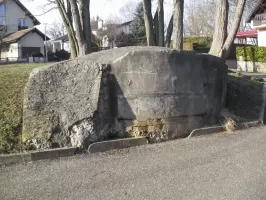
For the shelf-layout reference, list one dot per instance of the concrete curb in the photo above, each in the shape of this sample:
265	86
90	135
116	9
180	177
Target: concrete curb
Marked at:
116	144
219	129
37	155
206	131
250	124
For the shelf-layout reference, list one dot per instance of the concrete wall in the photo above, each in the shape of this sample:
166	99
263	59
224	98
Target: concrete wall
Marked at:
247	66
157	92
262	37
13	51
246	98
180	91
13	14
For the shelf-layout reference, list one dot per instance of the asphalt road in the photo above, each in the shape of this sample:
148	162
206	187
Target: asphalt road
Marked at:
214	167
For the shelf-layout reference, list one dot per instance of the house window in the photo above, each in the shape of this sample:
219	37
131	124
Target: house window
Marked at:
2	9
2	20
22	24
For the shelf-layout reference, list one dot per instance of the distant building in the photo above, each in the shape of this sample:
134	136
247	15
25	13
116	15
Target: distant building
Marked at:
125	27
62	43
257	19
19	36
247	37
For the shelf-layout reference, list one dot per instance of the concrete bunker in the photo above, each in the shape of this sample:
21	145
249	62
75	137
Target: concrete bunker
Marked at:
157	92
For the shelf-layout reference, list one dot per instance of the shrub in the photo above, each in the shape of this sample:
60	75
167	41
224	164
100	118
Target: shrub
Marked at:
37	55
62	54
123	40
230	125
251	53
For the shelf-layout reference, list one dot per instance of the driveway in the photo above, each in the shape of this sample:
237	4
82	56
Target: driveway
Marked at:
220	166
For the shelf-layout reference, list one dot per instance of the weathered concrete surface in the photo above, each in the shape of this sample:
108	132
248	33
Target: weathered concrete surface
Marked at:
163	93
157	92
246	98
62	105
248	66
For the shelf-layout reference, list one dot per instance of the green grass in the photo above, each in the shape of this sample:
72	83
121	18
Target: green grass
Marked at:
13	79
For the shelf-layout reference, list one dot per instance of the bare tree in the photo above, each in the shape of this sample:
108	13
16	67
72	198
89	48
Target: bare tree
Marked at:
198	22
56	30
161	23
220	30
127	11
75	13
148	23
224	52
178	24
169	32
222	41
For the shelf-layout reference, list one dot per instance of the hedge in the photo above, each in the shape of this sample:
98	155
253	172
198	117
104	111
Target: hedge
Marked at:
251	53
201	42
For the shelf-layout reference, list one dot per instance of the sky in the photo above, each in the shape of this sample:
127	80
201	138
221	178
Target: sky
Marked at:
103	8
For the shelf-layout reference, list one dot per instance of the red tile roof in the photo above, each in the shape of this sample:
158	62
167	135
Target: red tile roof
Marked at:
16	35
250	33
12	37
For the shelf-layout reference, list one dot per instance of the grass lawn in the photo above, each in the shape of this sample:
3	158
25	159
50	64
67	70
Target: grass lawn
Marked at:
13	79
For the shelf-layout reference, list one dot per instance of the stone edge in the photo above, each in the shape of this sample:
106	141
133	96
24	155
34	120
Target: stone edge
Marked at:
105	146
219	129
37	155
117	144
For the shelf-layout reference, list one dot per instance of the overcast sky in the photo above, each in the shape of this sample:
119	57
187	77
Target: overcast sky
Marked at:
102	8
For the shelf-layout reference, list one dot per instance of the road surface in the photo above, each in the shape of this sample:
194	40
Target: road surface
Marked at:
221	166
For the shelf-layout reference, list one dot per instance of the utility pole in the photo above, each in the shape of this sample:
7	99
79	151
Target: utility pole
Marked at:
45	46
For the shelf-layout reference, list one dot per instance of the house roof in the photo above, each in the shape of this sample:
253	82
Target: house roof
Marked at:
12	37
250	33
64	38
28	13
258	9
126	23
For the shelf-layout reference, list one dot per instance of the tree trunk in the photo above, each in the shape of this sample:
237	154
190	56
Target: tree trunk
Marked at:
233	31
161	22
220	31
79	32
148	22
178	24
84	7
66	17
169	33
156	28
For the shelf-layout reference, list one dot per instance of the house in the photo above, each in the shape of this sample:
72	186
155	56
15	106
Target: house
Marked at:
257	18
249	37
62	43
19	37
102	35
125	28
